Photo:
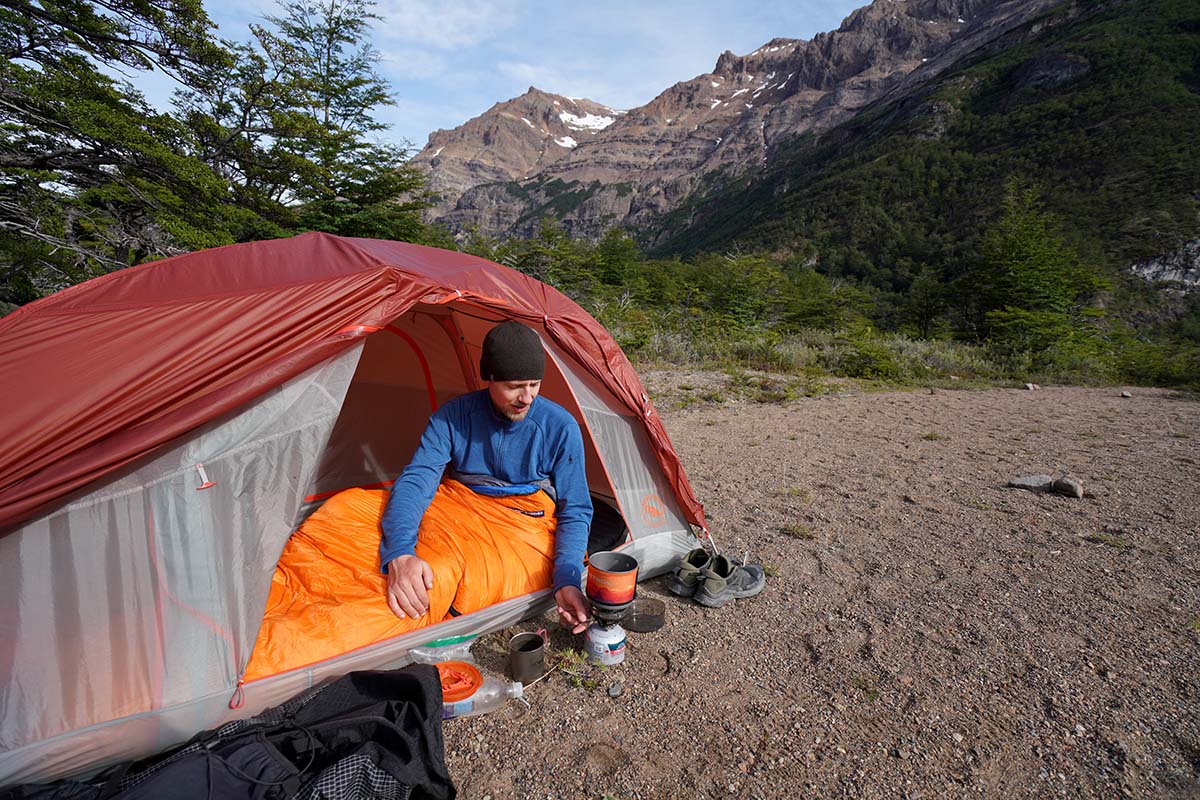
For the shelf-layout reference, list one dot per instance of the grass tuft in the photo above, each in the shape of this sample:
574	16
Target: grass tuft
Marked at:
867	687
798	530
794	492
1109	539
576	667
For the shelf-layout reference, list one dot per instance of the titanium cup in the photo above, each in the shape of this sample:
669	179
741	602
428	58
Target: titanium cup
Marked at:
527	657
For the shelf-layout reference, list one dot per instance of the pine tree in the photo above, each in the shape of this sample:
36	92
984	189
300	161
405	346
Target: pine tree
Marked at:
1027	263
349	183
1034	288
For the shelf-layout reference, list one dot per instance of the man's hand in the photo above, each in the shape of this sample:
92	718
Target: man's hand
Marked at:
574	611
409	581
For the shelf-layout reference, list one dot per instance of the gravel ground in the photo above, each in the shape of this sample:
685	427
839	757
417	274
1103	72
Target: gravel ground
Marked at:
925	632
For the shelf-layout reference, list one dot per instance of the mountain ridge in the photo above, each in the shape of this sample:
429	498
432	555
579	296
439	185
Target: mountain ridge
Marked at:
704	131
517	137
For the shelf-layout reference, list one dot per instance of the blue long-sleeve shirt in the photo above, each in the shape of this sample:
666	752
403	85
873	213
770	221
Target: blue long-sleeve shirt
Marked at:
468	435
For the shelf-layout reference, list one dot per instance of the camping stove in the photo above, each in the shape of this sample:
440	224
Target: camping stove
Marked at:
608	615
611	587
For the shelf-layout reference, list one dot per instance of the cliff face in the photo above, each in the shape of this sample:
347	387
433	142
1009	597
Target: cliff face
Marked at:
501	172
1179	268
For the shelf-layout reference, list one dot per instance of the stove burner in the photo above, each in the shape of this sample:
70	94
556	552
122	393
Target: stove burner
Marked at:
607	615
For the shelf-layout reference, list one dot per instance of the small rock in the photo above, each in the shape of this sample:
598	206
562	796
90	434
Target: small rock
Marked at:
1126	394
1080	730
1068	486
957	737
1034	483
616	690
1033	387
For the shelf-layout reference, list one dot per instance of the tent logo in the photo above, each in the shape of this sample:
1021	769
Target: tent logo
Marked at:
653	512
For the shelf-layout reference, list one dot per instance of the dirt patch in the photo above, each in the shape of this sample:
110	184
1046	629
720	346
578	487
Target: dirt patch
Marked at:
926	632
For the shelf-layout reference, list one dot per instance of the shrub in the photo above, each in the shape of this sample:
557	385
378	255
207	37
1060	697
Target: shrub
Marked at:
862	357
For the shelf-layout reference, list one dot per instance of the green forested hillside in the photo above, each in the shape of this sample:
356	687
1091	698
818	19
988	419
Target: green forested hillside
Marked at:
1085	122
1100	107
977	225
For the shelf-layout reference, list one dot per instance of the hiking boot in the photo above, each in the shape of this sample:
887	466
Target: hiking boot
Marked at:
687	577
726	579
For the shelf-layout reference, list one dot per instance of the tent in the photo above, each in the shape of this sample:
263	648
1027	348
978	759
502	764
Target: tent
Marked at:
166	427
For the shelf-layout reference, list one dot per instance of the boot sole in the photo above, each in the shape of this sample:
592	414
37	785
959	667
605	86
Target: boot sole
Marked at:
711	602
716	601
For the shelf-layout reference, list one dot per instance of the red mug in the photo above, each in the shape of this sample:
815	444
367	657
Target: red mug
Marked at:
612	578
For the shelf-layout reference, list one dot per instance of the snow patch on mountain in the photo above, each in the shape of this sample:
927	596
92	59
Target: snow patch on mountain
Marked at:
585	122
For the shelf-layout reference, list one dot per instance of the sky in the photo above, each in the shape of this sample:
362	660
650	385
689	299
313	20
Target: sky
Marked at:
450	60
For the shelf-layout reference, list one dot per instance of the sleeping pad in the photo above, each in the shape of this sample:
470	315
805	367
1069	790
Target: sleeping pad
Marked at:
328	594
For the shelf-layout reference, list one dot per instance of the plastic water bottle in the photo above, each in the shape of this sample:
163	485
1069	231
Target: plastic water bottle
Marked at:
491	694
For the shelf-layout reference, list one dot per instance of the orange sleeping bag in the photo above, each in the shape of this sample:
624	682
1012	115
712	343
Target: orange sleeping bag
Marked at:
328	594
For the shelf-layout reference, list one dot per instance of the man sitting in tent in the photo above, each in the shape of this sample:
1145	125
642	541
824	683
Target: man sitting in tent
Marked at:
509	466
493	505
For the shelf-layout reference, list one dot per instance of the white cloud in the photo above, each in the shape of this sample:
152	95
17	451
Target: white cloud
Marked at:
412	64
546	78
445	25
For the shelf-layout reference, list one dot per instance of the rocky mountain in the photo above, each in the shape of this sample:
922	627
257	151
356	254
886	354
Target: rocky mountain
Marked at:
501	172
511	141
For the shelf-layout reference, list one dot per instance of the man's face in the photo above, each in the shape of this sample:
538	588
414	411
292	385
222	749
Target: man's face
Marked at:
513	398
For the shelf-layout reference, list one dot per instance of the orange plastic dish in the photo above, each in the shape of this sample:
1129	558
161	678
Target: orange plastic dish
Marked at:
459	680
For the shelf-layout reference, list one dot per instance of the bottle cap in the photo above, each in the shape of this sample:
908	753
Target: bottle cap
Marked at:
460	680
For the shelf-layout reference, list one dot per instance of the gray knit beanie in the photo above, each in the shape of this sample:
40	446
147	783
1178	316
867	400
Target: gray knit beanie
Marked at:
512	352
